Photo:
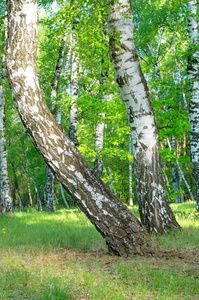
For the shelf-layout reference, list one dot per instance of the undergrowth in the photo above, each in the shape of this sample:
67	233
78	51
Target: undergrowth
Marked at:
62	256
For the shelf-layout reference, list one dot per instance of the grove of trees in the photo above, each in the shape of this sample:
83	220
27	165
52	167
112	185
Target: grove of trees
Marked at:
108	79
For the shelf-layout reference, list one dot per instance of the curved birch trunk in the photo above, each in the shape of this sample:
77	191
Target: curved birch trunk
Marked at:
193	72
123	232
154	207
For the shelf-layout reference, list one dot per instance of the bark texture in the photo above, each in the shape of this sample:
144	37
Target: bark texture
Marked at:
154	207
99	132
6	199
74	90
49	191
28	182
49	188
130	173
175	175
193	72
122	231
39	205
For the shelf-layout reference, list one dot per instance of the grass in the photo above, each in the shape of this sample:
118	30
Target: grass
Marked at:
62	256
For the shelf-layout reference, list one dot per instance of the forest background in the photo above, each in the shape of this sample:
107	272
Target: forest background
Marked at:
163	46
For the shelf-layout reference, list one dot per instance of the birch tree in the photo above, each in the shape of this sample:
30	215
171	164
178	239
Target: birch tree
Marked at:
6	199
74	89
122	231
193	72
99	132
154	207
49	188
175	176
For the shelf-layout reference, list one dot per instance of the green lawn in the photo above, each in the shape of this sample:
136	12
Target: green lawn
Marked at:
62	256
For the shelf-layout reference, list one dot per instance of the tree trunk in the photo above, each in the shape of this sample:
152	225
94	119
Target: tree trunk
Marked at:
130	173
154	207
28	182
175	175
39	205
50	177
182	175
6	199
49	190
17	187
99	136
174	169
63	196
74	86
123	232
193	72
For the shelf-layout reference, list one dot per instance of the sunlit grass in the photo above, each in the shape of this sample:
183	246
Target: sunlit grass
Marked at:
62	256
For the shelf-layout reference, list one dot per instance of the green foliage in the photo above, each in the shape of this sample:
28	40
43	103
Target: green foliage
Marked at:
92	46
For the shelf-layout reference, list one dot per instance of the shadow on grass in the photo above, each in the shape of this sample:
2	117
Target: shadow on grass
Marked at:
66	229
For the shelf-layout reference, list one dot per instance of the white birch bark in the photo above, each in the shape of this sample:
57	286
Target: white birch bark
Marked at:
154	207
99	137
182	174
39	205
99	132
17	187
122	231
175	175
56	199
193	73
63	196
74	89
49	190
130	173
50	177
28	182
6	199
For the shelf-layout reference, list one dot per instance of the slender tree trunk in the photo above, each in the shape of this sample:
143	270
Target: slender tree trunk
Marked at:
17	187
123	232
39	205
63	196
182	175
175	175
56	199
50	177
74	92
154	207
109	175
99	137
49	191
99	132
6	199
193	72
28	182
